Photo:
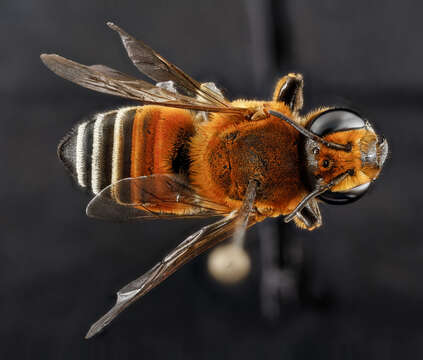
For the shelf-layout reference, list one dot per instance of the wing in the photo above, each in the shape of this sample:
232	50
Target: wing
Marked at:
107	80
235	223
151	197
159	69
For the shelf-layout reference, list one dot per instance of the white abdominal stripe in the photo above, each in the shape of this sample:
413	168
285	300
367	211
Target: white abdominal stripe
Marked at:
80	155
98	151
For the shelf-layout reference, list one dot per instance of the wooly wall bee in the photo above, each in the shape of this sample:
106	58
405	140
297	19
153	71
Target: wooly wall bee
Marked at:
187	151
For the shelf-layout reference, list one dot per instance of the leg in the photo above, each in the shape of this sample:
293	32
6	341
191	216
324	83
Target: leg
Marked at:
309	216
289	90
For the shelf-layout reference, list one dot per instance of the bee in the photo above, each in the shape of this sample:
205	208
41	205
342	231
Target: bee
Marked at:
188	152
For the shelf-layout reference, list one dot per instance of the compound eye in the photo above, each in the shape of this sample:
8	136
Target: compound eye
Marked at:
345	197
335	120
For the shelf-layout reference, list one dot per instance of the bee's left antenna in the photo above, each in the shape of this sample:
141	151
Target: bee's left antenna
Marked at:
320	189
309	134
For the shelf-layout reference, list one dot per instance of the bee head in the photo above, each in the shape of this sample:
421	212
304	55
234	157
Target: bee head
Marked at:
343	155
362	158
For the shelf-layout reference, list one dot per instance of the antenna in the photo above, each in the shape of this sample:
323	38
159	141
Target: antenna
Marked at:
309	134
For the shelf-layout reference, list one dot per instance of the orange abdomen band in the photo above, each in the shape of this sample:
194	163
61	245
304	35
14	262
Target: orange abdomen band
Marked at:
160	141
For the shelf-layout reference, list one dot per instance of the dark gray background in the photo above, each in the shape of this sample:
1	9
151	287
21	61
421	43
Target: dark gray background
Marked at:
59	269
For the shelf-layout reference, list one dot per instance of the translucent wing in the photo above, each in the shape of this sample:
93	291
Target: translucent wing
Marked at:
159	69
107	80
235	223
151	197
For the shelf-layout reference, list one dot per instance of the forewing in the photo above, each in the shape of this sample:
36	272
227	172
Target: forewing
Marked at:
107	80
194	245
151	197
159	69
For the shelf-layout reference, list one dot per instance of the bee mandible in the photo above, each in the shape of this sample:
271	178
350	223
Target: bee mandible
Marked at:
189	152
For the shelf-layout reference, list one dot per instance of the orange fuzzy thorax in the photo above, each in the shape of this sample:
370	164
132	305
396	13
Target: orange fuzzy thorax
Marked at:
230	150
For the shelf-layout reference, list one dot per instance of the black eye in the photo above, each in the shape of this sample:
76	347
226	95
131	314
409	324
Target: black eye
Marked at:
335	120
325	163
345	197
316	150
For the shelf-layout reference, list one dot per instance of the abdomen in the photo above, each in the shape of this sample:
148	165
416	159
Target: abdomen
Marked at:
129	142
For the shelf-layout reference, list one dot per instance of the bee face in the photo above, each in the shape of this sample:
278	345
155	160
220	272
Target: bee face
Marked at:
362	162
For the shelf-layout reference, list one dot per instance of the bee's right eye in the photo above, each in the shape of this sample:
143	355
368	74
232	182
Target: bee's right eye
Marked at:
334	120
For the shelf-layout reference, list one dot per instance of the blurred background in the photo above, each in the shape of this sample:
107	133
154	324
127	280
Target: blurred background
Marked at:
350	290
